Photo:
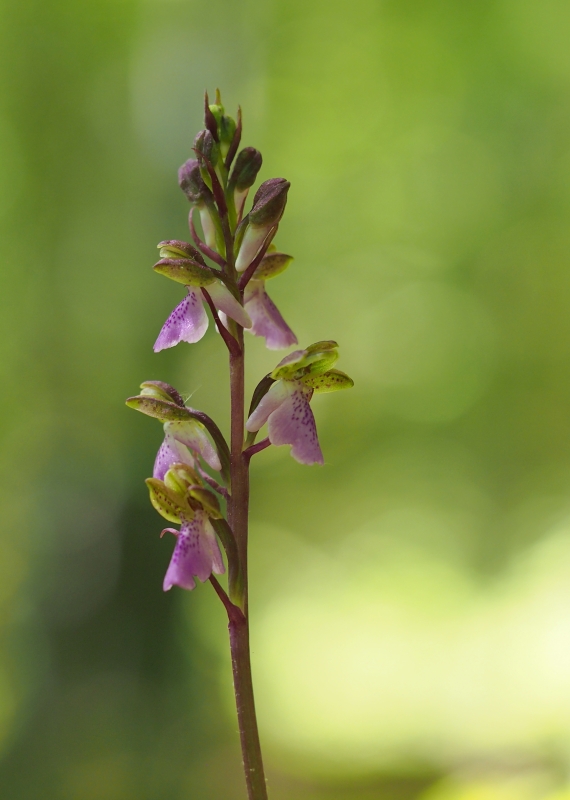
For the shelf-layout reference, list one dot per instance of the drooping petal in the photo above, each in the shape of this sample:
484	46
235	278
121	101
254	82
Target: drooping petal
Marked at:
293	423
187	323
267	321
192	434
171	452
226	302
271	401
196	554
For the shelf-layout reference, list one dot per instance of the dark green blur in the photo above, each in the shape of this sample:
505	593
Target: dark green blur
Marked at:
411	599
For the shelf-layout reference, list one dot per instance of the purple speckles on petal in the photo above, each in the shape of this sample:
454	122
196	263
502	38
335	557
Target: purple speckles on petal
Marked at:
187	323
196	554
266	319
293	423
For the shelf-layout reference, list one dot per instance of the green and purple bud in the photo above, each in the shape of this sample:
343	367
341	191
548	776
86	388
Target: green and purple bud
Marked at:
200	196
262	221
244	174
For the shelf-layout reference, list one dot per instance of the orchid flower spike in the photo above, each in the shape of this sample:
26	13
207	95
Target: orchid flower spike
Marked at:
182	263
286	405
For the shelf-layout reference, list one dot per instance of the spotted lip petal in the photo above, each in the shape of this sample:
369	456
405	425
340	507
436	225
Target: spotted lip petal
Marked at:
187	323
191	434
289	418
171	452
293	423
267	321
196	554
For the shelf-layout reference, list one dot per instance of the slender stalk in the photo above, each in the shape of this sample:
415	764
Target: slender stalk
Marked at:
238	506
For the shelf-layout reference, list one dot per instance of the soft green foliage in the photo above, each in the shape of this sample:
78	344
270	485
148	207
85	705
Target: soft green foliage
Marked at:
414	637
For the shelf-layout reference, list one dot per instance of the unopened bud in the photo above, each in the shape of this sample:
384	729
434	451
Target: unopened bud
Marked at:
192	183
268	207
269	202
206	149
221	126
247	165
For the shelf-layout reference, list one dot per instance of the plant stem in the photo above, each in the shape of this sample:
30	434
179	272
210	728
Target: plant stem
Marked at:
238	506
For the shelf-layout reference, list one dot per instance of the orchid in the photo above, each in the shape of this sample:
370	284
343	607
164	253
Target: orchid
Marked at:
286	405
196	554
227	270
189	322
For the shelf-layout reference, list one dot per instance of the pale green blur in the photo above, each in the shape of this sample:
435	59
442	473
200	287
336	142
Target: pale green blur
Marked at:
411	599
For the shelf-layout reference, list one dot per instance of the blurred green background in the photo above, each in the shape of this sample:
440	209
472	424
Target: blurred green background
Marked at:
411	600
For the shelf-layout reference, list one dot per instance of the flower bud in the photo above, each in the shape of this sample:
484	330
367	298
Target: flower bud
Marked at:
192	184
268	207
206	149
269	202
221	126
248	163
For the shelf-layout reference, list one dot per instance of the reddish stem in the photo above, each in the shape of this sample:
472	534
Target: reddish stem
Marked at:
231	343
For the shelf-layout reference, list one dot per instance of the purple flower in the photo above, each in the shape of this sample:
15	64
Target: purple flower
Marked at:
285	407
289	419
183	442
265	317
196	554
189	321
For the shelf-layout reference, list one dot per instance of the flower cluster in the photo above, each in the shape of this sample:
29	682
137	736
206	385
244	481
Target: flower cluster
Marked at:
226	270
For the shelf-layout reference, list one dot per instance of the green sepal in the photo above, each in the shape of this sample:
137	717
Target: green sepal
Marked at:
328	344
162	391
331	381
169	504
305	362
163	410
186	475
176	248
236	589
272	264
207	500
185	271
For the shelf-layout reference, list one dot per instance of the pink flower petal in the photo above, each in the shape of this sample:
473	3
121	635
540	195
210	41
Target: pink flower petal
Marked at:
170	452
267	321
293	423
226	302
196	554
276	395
192	435
187	323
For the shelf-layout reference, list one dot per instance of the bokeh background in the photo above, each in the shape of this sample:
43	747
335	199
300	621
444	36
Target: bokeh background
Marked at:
411	600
